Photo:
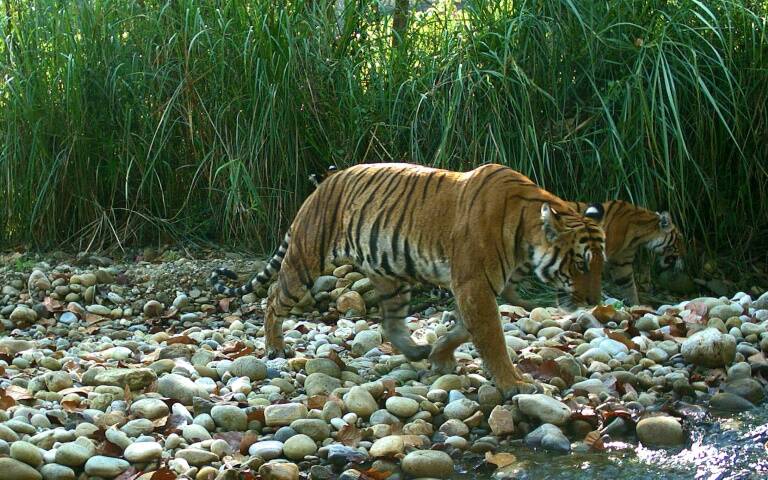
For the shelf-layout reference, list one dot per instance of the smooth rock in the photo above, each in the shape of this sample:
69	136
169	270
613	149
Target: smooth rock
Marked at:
544	408
298	447
709	348
180	388
107	467
142	452
660	431
358	400
13	469
428	464
284	414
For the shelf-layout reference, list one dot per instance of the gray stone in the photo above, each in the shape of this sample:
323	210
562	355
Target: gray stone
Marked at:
320	384
134	378
544	408
746	388
316	429
248	366
54	471
284	414
267	449
299	446
461	409
323	365
150	408
428	463
142	452
729	402
548	437
360	401
402	407
365	341
660	431
709	348
180	388
230	418
75	454
196	456
16	470
108	467
27	453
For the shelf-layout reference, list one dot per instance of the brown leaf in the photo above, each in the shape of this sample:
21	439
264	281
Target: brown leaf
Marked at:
613	335
71	406
92	319
389	387
224	304
131	474
349	435
53	305
181	339
82	391
595	440
249	438
386	348
699	308
500	459
6	401
109	449
316	402
604	313
163	474
373	474
18	393
233	439
256	413
334	355
174	423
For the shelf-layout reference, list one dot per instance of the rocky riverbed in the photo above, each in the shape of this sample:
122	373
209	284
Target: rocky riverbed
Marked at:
135	370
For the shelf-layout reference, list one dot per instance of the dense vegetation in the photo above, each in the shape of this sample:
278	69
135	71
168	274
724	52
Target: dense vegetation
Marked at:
144	121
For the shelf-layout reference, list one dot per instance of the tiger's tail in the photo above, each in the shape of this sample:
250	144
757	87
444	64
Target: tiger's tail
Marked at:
262	278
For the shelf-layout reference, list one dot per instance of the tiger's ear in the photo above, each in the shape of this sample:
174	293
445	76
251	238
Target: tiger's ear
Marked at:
550	222
595	211
665	221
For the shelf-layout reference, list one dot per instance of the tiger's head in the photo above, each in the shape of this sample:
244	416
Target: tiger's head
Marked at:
667	243
572	255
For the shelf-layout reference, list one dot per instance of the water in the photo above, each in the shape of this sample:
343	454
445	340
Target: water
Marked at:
722	447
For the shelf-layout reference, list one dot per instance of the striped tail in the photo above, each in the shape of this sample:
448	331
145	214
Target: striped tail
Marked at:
262	278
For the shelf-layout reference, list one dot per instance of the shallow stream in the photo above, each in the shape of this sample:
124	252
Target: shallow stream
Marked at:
721	447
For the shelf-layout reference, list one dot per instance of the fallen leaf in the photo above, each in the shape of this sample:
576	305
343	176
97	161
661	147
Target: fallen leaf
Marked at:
374	474
233	439
174	424
249	438
181	339
317	402
389	387
131	474
613	335
604	313
53	305
109	449
500	459
163	474
224	304
595	440
349	435
6	401
18	393
71	406
256	413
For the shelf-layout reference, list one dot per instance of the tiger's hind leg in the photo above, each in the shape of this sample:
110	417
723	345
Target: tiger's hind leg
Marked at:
283	295
442	358
394	297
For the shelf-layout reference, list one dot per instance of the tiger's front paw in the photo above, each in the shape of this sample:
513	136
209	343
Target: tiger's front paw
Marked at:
281	352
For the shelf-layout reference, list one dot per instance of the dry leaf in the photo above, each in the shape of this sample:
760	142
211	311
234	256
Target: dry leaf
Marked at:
6	401
256	413
18	393
109	449
349	435
71	406
604	313
224	304
174	423
374	474
131	474
163	474
500	459
249	438
233	439
181	339
317	402
595	440
53	305
621	339
389	387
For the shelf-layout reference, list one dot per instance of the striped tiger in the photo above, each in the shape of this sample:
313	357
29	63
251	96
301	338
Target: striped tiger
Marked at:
628	228
402	223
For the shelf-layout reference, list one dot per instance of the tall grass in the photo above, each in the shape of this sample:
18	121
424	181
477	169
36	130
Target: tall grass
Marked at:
132	122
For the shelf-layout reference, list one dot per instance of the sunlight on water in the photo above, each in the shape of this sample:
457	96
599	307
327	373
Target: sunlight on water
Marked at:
721	448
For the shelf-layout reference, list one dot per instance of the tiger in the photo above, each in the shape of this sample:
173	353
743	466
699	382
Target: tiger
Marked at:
628	228
402	223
